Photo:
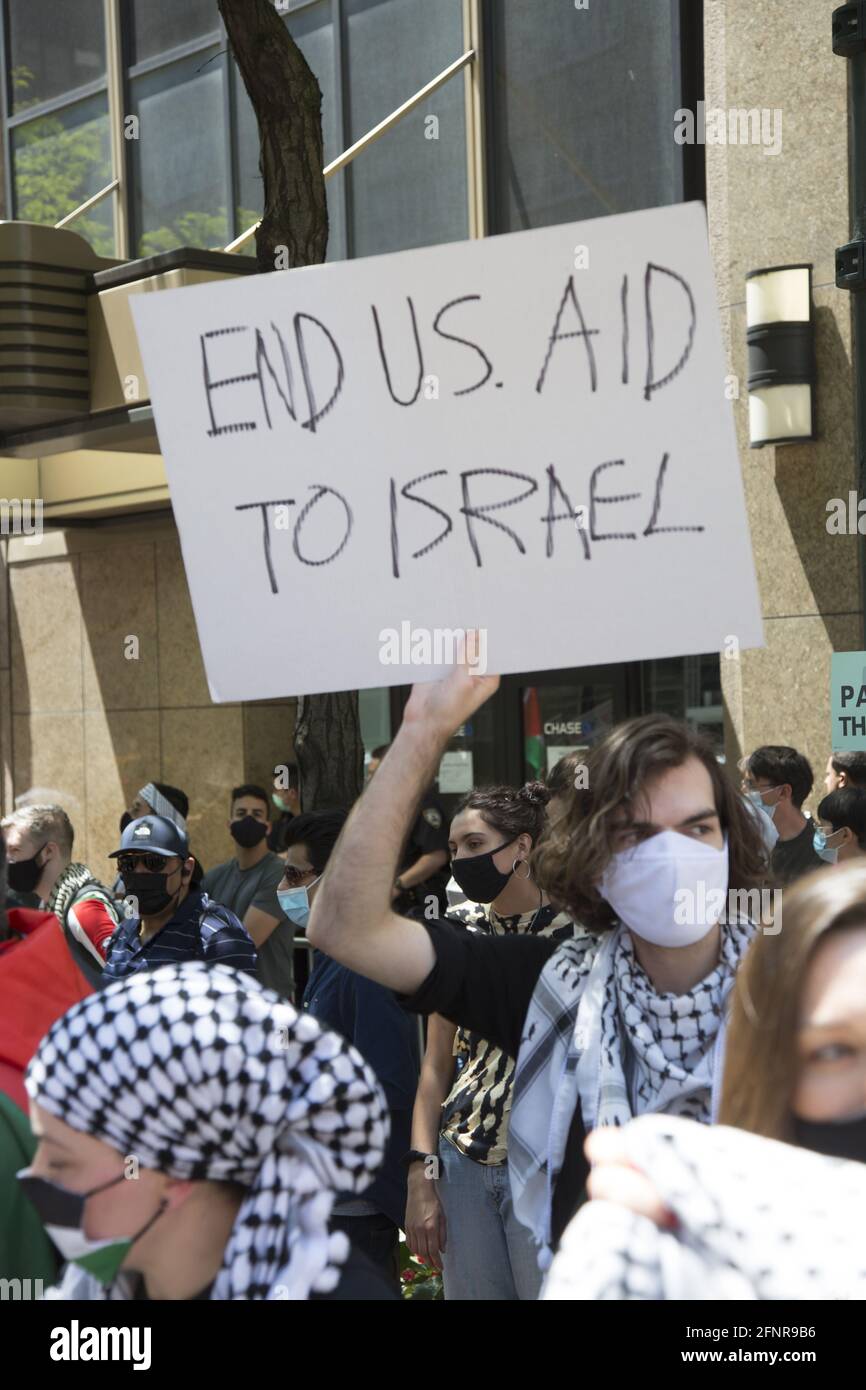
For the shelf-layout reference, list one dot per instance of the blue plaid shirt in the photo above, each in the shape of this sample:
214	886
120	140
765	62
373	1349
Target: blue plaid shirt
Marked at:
199	930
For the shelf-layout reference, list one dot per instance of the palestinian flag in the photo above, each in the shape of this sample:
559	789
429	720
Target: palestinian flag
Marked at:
533	738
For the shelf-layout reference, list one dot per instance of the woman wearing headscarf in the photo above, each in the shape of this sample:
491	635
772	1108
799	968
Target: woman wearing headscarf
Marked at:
772	1202
193	1129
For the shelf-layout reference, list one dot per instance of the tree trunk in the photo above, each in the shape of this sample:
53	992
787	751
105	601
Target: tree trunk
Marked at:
329	750
287	101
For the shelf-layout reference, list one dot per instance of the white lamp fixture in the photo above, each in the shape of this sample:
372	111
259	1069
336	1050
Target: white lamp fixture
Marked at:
780	333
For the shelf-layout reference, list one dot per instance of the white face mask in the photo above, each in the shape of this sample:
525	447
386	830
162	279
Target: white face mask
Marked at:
669	889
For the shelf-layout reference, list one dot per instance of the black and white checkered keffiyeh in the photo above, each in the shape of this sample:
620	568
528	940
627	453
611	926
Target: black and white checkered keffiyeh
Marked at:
597	1032
202	1073
160	805
757	1220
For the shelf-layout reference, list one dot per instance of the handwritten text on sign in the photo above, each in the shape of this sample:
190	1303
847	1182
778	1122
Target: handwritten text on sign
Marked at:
527	434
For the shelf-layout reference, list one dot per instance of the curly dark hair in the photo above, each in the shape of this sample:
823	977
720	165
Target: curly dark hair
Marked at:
512	811
578	847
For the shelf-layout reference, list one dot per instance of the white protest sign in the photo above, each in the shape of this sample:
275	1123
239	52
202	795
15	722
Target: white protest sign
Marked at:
527	434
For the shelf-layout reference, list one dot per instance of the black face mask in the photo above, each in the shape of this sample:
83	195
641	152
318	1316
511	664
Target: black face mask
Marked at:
248	831
836	1139
24	874
479	877
62	1214
125	820
150	891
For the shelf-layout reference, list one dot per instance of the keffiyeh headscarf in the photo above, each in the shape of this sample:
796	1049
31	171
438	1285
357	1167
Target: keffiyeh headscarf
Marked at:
161	806
597	1032
203	1073
758	1219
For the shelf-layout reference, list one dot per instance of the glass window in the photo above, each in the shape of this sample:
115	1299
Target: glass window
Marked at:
313	32
54	47
583	111
374	711
690	688
560	719
471	758
156	26
409	188
59	161
178	163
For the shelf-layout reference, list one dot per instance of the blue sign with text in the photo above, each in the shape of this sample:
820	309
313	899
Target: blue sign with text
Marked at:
848	700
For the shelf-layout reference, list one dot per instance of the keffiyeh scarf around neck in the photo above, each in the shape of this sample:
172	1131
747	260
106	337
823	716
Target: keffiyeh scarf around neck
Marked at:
597	1033
758	1219
203	1073
69	884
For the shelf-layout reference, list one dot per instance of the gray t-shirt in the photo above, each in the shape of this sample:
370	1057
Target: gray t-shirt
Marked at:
239	889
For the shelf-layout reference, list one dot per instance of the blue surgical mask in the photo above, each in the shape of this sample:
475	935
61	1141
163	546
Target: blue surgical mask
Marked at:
819	845
757	799
769	832
295	903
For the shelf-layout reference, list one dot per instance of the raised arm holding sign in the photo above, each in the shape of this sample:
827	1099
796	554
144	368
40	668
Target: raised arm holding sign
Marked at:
352	919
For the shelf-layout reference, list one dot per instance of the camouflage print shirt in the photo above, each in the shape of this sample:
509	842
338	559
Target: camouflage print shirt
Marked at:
475	1113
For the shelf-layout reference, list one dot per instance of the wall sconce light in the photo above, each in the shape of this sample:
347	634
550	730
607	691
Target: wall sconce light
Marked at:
780	333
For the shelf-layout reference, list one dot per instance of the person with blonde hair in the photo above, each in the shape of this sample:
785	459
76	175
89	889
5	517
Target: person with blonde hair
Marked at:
39	842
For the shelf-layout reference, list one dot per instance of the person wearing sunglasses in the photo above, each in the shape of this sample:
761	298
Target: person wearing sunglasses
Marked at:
170	919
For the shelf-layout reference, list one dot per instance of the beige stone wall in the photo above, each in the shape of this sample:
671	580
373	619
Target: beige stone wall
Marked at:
769	210
88	725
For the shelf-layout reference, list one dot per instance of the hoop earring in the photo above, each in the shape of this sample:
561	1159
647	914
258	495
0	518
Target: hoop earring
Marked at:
527	875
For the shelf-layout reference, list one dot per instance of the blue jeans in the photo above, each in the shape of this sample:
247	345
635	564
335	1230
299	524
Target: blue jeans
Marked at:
488	1254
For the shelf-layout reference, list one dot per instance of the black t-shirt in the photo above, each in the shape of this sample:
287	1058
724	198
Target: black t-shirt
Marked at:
484	983
793	858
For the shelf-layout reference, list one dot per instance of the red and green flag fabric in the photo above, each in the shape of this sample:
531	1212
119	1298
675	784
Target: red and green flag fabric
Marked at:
533	737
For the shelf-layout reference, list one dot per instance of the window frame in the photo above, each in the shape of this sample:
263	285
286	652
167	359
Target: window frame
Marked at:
687	27
687	61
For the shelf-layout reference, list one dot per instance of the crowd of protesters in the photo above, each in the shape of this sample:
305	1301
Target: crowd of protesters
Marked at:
615	1025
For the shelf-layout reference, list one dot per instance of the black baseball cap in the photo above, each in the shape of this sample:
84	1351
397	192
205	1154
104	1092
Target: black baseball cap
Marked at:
153	835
